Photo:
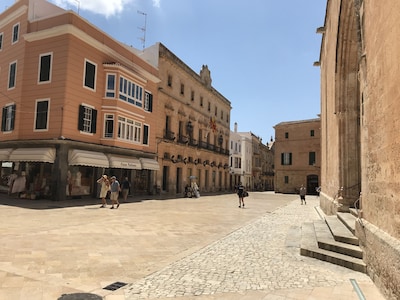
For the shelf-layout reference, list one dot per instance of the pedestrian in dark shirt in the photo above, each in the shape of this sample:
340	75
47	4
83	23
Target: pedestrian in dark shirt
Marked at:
125	186
240	192
303	193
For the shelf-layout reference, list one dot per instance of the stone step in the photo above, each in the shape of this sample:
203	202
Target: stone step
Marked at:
348	220
309	247
354	212
340	232
326	241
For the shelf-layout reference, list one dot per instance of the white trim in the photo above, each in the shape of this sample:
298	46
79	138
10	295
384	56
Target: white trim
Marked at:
16	14
70	29
48	115
95	75
15	75
51	67
12	33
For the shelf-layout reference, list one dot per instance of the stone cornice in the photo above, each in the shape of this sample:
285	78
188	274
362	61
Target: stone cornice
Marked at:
14	15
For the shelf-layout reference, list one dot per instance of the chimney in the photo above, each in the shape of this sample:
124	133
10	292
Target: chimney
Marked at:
235	128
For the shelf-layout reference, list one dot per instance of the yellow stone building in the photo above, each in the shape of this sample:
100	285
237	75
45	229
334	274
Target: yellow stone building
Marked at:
297	156
193	126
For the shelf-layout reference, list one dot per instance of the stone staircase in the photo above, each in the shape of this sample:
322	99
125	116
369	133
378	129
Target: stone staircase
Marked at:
332	239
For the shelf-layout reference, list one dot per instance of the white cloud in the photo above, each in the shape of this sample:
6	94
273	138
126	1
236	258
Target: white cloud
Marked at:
107	8
156	3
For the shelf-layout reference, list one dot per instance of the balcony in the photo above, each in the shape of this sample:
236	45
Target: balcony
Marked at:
169	135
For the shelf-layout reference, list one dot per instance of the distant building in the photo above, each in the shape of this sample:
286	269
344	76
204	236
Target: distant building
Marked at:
297	156
251	162
267	152
193	121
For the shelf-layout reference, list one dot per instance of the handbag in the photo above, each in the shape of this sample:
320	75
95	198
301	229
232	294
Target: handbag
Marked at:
245	194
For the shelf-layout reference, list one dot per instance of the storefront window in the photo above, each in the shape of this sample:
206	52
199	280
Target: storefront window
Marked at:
79	181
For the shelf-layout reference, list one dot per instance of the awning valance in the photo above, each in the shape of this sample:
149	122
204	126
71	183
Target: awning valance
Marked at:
149	164
87	158
47	155
5	154
124	162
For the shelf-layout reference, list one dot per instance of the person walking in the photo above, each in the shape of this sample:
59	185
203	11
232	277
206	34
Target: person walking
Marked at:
125	186
303	193
240	193
115	189
105	187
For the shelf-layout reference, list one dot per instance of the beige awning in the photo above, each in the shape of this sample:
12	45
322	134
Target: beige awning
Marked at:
5	154
87	158
124	162
149	164
47	155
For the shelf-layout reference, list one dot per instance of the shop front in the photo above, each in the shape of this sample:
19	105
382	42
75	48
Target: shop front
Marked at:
61	172
27	172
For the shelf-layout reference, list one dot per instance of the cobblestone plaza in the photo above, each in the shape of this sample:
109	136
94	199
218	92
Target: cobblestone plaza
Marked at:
204	248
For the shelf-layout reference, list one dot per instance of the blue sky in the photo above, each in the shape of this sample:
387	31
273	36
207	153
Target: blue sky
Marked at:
260	52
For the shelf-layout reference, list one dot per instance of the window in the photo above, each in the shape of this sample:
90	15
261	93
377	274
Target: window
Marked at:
87	119
145	134
311	158
15	33
108	126
12	75
286	179
192	95
129	130
182	89
286	135
90	75
42	115
148	102
312	133
130	92
216	111
209	106
8	118
110	88
45	67
286	159
1	40
169	80
201	101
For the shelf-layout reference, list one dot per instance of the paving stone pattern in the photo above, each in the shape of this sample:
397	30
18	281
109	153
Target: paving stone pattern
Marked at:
263	255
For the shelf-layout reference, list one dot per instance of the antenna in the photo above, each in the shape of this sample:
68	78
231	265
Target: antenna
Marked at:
143	29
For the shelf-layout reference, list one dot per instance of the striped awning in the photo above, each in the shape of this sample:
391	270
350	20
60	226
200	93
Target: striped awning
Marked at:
47	155
149	164
78	157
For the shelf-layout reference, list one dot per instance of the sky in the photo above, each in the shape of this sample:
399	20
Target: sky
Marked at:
260	52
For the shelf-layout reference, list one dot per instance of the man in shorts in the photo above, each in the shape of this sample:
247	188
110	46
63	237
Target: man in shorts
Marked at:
303	193
115	189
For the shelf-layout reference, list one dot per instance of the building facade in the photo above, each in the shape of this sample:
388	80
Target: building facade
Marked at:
251	161
267	152
193	126
297	156
75	104
359	127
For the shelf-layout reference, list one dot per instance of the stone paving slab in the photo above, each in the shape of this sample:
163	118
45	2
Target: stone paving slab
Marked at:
205	248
